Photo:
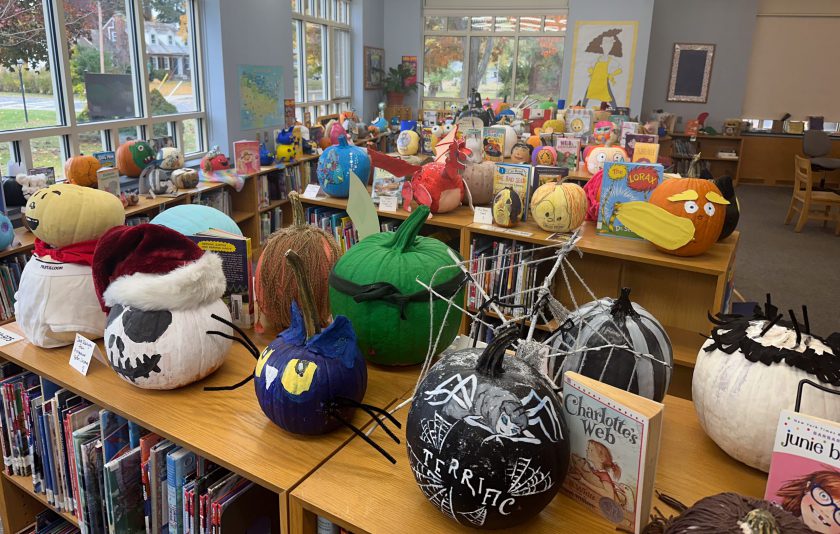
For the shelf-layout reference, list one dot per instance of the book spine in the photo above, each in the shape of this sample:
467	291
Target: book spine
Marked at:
8	463
172	474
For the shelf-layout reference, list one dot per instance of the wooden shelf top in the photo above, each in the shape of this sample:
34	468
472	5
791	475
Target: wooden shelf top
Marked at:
227	427
706	158
460	217
24	241
364	495
704	136
274	204
25	483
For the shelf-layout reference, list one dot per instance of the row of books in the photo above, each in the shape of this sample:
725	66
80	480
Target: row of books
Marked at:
218	198
270	222
273	186
683	147
500	267
681	166
336	222
49	522
10	270
111	473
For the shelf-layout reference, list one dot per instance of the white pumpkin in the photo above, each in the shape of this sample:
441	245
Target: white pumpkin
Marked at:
738	401
510	138
479	179
476	148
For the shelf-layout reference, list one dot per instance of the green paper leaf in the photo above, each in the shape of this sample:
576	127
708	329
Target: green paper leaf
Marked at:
361	209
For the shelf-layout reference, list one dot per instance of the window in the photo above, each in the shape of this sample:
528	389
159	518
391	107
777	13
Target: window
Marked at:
321	56
503	57
103	93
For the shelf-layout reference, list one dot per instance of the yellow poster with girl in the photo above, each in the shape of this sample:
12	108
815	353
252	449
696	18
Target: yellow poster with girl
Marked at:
603	56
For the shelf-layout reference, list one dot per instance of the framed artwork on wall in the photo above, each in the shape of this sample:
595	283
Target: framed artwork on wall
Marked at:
691	71
374	67
603	57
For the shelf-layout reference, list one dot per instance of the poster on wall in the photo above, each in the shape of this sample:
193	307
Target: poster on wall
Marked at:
260	96
374	67
289	111
603	56
410	63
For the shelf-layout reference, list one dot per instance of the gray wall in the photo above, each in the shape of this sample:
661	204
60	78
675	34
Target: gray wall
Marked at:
729	26
639	10
368	23
404	36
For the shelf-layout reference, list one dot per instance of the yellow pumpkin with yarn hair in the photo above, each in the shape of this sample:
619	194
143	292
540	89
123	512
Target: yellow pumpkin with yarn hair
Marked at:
558	207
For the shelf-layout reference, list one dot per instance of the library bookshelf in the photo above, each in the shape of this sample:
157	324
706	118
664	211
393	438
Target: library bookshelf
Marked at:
709	146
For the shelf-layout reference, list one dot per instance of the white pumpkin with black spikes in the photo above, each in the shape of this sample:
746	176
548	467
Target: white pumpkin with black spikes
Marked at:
749	371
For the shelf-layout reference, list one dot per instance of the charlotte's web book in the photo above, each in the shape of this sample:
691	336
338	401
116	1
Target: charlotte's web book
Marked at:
516	176
568	152
235	251
614	441
624	182
804	474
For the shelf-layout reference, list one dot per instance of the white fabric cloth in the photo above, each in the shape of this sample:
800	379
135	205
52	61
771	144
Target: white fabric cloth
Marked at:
55	301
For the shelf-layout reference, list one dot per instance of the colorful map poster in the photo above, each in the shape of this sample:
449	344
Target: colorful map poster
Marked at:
261	96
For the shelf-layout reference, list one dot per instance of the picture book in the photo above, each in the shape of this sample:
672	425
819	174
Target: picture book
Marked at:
614	442
158	484
632	138
543	174
247	157
108	179
179	465
645	152
385	184
627	127
568	152
516	176
48	172
426	140
627	182
804	476
578	121
107	158
494	143
235	251
125	493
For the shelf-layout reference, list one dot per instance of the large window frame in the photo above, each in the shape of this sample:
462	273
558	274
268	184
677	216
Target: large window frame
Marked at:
144	124
333	16
442	102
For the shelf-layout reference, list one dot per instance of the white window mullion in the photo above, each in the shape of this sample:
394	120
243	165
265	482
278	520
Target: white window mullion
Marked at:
139	57
64	93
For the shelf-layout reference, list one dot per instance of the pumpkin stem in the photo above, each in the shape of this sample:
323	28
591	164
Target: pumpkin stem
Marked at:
490	362
407	232
622	307
795	327
342	141
805	319
305	298
298	217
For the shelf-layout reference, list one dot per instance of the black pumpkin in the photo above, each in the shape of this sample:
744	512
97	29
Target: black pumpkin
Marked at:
486	437
733	214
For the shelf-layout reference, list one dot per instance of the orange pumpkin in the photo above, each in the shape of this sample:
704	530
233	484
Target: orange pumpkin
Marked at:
695	199
81	170
133	157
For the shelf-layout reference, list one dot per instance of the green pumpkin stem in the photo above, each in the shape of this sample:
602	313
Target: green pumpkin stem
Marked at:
407	232
298	217
305	298
622	307
490	362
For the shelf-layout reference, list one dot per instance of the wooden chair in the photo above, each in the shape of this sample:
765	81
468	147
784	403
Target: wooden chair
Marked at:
805	198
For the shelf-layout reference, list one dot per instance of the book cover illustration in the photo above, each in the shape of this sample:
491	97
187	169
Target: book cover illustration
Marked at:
516	176
108	179
544	174
624	182
804	476
494	143
48	172
107	158
627	127
645	153
568	152
578	121
247	157
385	184
235	252
426	140
632	138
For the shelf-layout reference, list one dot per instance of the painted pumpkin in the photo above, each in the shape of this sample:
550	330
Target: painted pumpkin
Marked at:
266	157
602	132
733	213
642	359
520	153
214	161
81	170
336	131
335	165
479	415
133	157
510	139
683	216
7	232
63	214
284	153
558	207
408	143
478	177
275	285
303	377
375	285
192	219
507	207
554	125
534	141
596	156
170	158
185	178
544	155
749	371
476	147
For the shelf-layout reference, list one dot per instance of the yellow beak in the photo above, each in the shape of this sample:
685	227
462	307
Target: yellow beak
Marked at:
655	224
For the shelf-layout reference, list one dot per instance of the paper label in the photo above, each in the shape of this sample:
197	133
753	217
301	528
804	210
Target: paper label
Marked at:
483	216
389	204
506	230
7	337
312	191
83	351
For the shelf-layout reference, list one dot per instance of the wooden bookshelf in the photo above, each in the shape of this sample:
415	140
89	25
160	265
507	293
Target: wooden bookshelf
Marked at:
708	146
364	496
227	427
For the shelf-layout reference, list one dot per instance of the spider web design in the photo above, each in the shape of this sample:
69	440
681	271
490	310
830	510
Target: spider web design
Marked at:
476	517
526	480
435	431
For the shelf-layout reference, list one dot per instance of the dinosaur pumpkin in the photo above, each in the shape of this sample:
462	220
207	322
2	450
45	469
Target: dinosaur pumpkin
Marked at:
133	157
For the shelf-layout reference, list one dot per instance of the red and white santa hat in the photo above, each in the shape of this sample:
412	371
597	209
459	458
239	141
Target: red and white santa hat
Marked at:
152	267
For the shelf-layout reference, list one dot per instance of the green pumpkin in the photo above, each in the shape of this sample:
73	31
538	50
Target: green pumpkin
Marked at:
375	285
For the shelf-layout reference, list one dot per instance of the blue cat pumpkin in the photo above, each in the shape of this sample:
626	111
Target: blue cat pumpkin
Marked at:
335	165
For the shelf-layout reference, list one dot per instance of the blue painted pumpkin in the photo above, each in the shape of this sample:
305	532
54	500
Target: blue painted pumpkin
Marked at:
191	219
408	125
7	232
266	157
335	164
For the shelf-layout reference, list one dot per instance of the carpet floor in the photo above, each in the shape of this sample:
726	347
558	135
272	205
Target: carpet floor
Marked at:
795	269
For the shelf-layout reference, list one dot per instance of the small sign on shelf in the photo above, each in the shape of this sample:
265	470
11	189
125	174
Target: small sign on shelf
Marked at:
82	353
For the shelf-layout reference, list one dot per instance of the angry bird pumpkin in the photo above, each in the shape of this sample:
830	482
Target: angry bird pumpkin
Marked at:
214	161
596	156
683	217
64	214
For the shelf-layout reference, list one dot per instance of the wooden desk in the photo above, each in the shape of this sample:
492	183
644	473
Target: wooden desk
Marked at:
227	427
767	159
359	492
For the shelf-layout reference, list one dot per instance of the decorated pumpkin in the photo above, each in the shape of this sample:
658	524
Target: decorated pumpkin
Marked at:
683	216
507	208
157	181
544	155
520	153
161	293
285	145
510	139
479	415
185	178
170	158
408	143
639	357
476	147
63	214
275	284
602	132
596	156
133	157
375	285
214	161
336	131
478	177
558	207
534	140
7	232
336	164
554	125
733	213
81	170
192	219
769	357
266	157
